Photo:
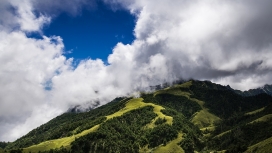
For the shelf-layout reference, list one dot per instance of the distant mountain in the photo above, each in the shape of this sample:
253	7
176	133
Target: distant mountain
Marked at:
252	92
192	116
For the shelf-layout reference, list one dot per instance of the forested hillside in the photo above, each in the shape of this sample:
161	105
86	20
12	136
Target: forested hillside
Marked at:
187	117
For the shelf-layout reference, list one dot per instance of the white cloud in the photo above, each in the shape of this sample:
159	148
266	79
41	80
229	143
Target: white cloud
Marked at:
19	15
228	42
26	17
27	64
206	39
38	116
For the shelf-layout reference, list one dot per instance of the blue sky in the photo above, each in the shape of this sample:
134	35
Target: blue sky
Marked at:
94	33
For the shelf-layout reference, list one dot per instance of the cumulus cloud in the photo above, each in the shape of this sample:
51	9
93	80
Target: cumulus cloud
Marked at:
19	15
225	41
27	65
228	42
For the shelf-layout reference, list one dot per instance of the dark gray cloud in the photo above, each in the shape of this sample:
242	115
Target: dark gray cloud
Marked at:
7	17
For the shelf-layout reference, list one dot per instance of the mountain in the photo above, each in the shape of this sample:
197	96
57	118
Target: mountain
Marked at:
252	92
194	116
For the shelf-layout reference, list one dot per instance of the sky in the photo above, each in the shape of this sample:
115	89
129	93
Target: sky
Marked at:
55	54
93	33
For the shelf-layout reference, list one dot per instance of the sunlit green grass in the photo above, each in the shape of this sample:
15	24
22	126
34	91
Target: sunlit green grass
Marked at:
52	144
263	118
138	103
175	90
157	110
203	118
212	128
57	143
261	147
131	104
256	111
66	141
171	147
221	134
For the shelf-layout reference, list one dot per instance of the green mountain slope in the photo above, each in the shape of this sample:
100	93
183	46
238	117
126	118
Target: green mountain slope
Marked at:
193	116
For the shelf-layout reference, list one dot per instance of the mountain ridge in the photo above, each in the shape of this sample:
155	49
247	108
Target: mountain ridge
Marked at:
267	89
189	116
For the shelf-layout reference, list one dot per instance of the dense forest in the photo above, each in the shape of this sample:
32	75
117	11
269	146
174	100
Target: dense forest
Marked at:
161	120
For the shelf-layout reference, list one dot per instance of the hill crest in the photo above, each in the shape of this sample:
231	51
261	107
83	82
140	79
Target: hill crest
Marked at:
190	116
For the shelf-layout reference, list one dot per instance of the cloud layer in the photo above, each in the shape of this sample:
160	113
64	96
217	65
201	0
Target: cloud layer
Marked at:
228	42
